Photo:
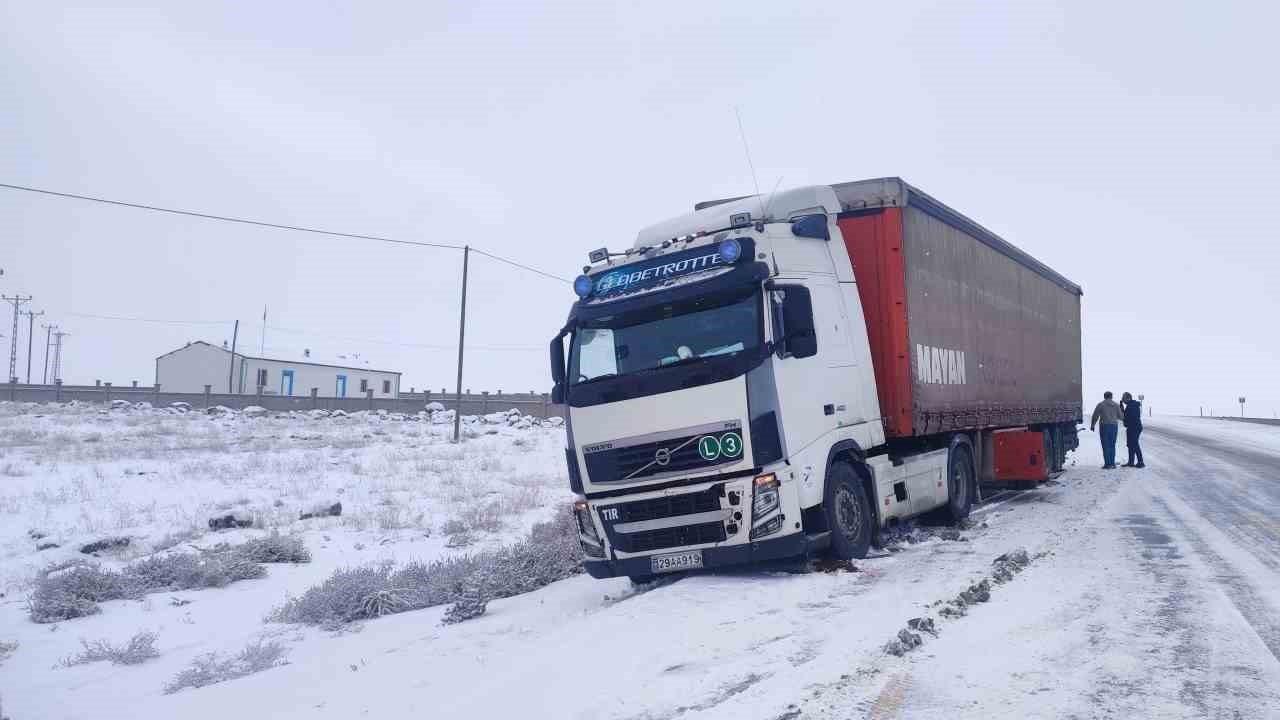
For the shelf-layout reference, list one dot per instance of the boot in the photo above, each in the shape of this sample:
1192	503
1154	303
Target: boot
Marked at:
1140	465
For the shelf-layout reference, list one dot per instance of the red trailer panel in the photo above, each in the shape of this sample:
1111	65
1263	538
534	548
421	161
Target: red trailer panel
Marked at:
874	241
966	331
1018	456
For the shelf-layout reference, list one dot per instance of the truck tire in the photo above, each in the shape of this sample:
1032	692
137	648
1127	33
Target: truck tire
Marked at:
848	512
959	483
960	488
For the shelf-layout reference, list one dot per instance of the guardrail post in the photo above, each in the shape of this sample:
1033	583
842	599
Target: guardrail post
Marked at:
155	396
315	398
13	389
57	390
107	389
484	402
208	390
369	394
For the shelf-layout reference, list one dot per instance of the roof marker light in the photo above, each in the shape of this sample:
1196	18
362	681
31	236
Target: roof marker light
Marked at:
582	286
730	250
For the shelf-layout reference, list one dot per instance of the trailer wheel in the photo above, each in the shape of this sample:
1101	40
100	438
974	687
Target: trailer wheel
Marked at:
848	513
959	487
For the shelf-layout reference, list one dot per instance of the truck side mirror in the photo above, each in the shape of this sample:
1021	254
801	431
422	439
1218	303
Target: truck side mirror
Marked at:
557	369
798	337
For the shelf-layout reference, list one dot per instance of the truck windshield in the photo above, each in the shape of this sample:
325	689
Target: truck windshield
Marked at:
665	335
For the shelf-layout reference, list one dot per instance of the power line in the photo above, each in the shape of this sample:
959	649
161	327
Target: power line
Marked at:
427	346
225	218
309	333
152	320
519	265
277	226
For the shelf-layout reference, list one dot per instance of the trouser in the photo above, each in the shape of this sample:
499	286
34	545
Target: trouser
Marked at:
1131	439
1108	432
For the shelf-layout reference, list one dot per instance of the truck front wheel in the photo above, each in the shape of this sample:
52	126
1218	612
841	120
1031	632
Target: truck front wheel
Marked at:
848	513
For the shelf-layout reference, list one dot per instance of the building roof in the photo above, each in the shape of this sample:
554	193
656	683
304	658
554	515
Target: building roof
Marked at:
290	361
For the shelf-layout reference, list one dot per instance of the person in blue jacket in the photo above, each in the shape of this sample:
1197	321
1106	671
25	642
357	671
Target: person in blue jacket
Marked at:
1132	429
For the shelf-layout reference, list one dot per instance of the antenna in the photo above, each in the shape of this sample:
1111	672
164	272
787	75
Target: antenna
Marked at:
750	164
769	204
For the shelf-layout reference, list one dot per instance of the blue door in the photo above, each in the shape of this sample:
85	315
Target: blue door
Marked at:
286	382
341	389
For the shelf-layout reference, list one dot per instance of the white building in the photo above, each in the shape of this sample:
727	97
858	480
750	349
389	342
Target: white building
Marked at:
190	368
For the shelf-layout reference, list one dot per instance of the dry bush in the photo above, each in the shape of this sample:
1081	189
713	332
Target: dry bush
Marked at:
549	553
210	669
139	649
74	589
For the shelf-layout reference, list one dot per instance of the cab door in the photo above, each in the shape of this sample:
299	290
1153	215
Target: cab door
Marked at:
814	393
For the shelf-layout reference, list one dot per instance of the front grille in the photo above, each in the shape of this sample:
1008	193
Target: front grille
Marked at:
634	462
670	537
672	505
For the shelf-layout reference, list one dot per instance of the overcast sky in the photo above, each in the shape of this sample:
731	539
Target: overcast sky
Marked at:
1131	146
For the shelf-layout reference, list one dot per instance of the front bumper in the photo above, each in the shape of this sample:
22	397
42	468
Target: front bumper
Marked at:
786	546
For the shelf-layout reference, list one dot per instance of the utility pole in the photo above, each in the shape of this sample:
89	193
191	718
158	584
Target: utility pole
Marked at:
31	331
462	334
57	354
48	331
18	301
231	371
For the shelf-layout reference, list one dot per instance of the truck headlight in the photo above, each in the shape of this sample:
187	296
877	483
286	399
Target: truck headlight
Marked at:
592	546
768	527
765	499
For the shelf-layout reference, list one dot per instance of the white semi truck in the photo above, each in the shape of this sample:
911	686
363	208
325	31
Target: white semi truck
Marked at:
765	377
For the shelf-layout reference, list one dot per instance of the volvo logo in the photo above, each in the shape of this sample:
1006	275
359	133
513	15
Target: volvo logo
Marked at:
662	457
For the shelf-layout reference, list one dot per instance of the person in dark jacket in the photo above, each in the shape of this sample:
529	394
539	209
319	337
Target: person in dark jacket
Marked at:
1132	429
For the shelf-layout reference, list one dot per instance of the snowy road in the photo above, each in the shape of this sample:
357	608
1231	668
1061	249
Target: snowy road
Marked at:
1165	603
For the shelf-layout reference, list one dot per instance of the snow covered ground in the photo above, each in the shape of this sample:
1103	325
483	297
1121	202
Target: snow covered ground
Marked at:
74	474
1149	593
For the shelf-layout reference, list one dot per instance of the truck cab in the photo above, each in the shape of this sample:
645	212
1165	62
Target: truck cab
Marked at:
711	374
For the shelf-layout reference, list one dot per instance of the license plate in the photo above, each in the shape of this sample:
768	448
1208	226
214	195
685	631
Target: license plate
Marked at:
676	561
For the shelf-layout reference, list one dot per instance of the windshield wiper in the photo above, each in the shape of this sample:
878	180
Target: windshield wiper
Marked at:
677	363
598	377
